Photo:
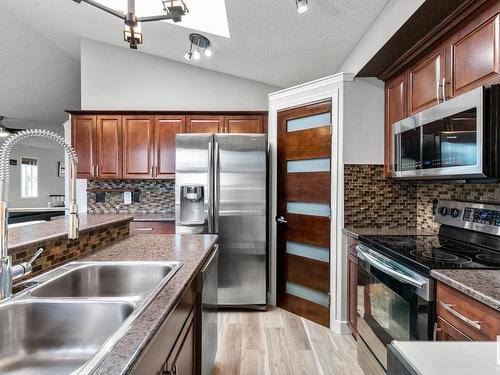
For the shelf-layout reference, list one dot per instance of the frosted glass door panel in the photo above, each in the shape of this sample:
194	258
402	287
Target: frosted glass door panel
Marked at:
309	122
302	208
307	293
308	165
308	251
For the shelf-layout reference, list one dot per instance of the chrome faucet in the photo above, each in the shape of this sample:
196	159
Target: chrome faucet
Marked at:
8	272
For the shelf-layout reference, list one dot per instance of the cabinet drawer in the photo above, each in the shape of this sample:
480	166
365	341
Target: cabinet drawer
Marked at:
152	227
474	319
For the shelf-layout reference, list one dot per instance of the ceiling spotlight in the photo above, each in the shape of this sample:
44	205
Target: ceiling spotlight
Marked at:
302	6
174	10
201	43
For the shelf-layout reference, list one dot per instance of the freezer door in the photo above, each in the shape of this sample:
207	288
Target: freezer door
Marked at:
240	217
194	183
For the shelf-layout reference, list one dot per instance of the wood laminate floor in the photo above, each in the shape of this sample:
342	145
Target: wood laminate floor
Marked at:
281	343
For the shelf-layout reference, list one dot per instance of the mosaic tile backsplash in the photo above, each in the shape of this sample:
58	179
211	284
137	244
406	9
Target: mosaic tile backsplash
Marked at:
373	201
156	196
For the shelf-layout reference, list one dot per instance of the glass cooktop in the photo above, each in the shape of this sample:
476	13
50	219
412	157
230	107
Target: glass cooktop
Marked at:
433	252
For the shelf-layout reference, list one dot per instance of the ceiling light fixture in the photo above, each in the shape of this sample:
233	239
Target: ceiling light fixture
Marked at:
174	10
202	44
302	6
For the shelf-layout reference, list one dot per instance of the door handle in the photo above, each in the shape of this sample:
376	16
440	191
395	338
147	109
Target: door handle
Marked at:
281	220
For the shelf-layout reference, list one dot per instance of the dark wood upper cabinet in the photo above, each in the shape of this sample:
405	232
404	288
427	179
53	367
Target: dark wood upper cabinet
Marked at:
166	127
204	124
244	124
395	110
426	81
474	51
83	142
138	142
109	147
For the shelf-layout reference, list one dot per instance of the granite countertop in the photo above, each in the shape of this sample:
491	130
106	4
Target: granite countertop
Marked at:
154	217
483	285
397	231
448	358
192	250
34	234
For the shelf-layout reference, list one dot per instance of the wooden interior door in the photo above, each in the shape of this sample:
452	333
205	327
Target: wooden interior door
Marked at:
303	246
138	142
109	147
83	142
243	124
166	127
204	124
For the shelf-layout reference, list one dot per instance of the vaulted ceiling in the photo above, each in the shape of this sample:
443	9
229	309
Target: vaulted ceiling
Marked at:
269	42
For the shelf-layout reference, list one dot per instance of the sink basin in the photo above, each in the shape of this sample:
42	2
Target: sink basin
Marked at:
107	279
55	337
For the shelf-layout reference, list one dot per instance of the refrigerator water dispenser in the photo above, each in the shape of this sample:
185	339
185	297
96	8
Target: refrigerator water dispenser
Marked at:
192	205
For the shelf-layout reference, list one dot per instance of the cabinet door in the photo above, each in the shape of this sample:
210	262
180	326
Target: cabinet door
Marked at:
243	124
395	110
474	51
109	147
204	124
138	141
83	142
166	127
426	80
352	297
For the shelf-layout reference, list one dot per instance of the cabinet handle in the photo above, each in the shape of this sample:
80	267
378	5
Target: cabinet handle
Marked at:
156	172
450	308
97	171
438	92
443	87
144	229
173	371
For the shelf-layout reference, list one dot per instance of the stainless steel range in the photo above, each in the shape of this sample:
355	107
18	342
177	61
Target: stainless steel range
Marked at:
395	291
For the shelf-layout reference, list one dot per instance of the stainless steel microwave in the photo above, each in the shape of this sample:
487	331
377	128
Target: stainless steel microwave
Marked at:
456	139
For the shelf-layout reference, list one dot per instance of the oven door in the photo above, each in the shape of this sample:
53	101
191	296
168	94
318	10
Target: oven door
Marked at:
394	303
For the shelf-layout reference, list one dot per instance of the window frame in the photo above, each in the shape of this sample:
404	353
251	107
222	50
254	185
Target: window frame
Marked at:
21	177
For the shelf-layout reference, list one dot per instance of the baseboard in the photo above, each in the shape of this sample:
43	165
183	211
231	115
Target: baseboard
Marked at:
340	327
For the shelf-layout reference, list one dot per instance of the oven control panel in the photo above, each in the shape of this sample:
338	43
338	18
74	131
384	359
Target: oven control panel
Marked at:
475	216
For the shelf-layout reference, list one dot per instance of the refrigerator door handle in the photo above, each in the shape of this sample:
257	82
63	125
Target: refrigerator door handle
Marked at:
209	188
216	189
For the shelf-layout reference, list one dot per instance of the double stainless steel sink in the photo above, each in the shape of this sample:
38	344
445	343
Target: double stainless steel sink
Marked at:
69	319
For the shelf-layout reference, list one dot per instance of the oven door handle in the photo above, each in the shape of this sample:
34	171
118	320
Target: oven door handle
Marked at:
388	270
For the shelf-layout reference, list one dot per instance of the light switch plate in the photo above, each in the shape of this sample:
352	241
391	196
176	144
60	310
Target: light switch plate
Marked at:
127	197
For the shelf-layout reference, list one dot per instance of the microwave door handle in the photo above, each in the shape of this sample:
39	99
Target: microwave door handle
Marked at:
382	267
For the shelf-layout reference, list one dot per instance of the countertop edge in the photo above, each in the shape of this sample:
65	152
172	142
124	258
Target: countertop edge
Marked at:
471	292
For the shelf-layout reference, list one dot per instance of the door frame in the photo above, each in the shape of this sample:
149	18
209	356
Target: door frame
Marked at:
330	87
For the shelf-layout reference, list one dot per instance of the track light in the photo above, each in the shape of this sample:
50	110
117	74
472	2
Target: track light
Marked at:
302	6
201	43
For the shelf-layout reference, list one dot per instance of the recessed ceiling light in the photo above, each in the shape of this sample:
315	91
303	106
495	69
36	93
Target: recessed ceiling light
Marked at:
302	6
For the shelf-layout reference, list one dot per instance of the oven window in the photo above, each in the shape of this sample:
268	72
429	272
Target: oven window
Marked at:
450	142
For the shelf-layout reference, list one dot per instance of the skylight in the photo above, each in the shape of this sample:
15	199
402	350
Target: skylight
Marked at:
204	15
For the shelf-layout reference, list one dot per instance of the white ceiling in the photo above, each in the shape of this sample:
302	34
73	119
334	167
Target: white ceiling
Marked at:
269	41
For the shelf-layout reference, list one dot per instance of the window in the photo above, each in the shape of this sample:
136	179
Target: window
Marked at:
29	178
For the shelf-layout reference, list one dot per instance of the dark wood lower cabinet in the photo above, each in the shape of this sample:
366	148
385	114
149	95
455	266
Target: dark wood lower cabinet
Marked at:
152	227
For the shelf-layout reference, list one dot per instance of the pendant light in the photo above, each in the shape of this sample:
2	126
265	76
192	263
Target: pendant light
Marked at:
201	43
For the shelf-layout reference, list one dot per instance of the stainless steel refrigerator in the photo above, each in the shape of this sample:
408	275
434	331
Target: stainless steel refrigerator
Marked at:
220	188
